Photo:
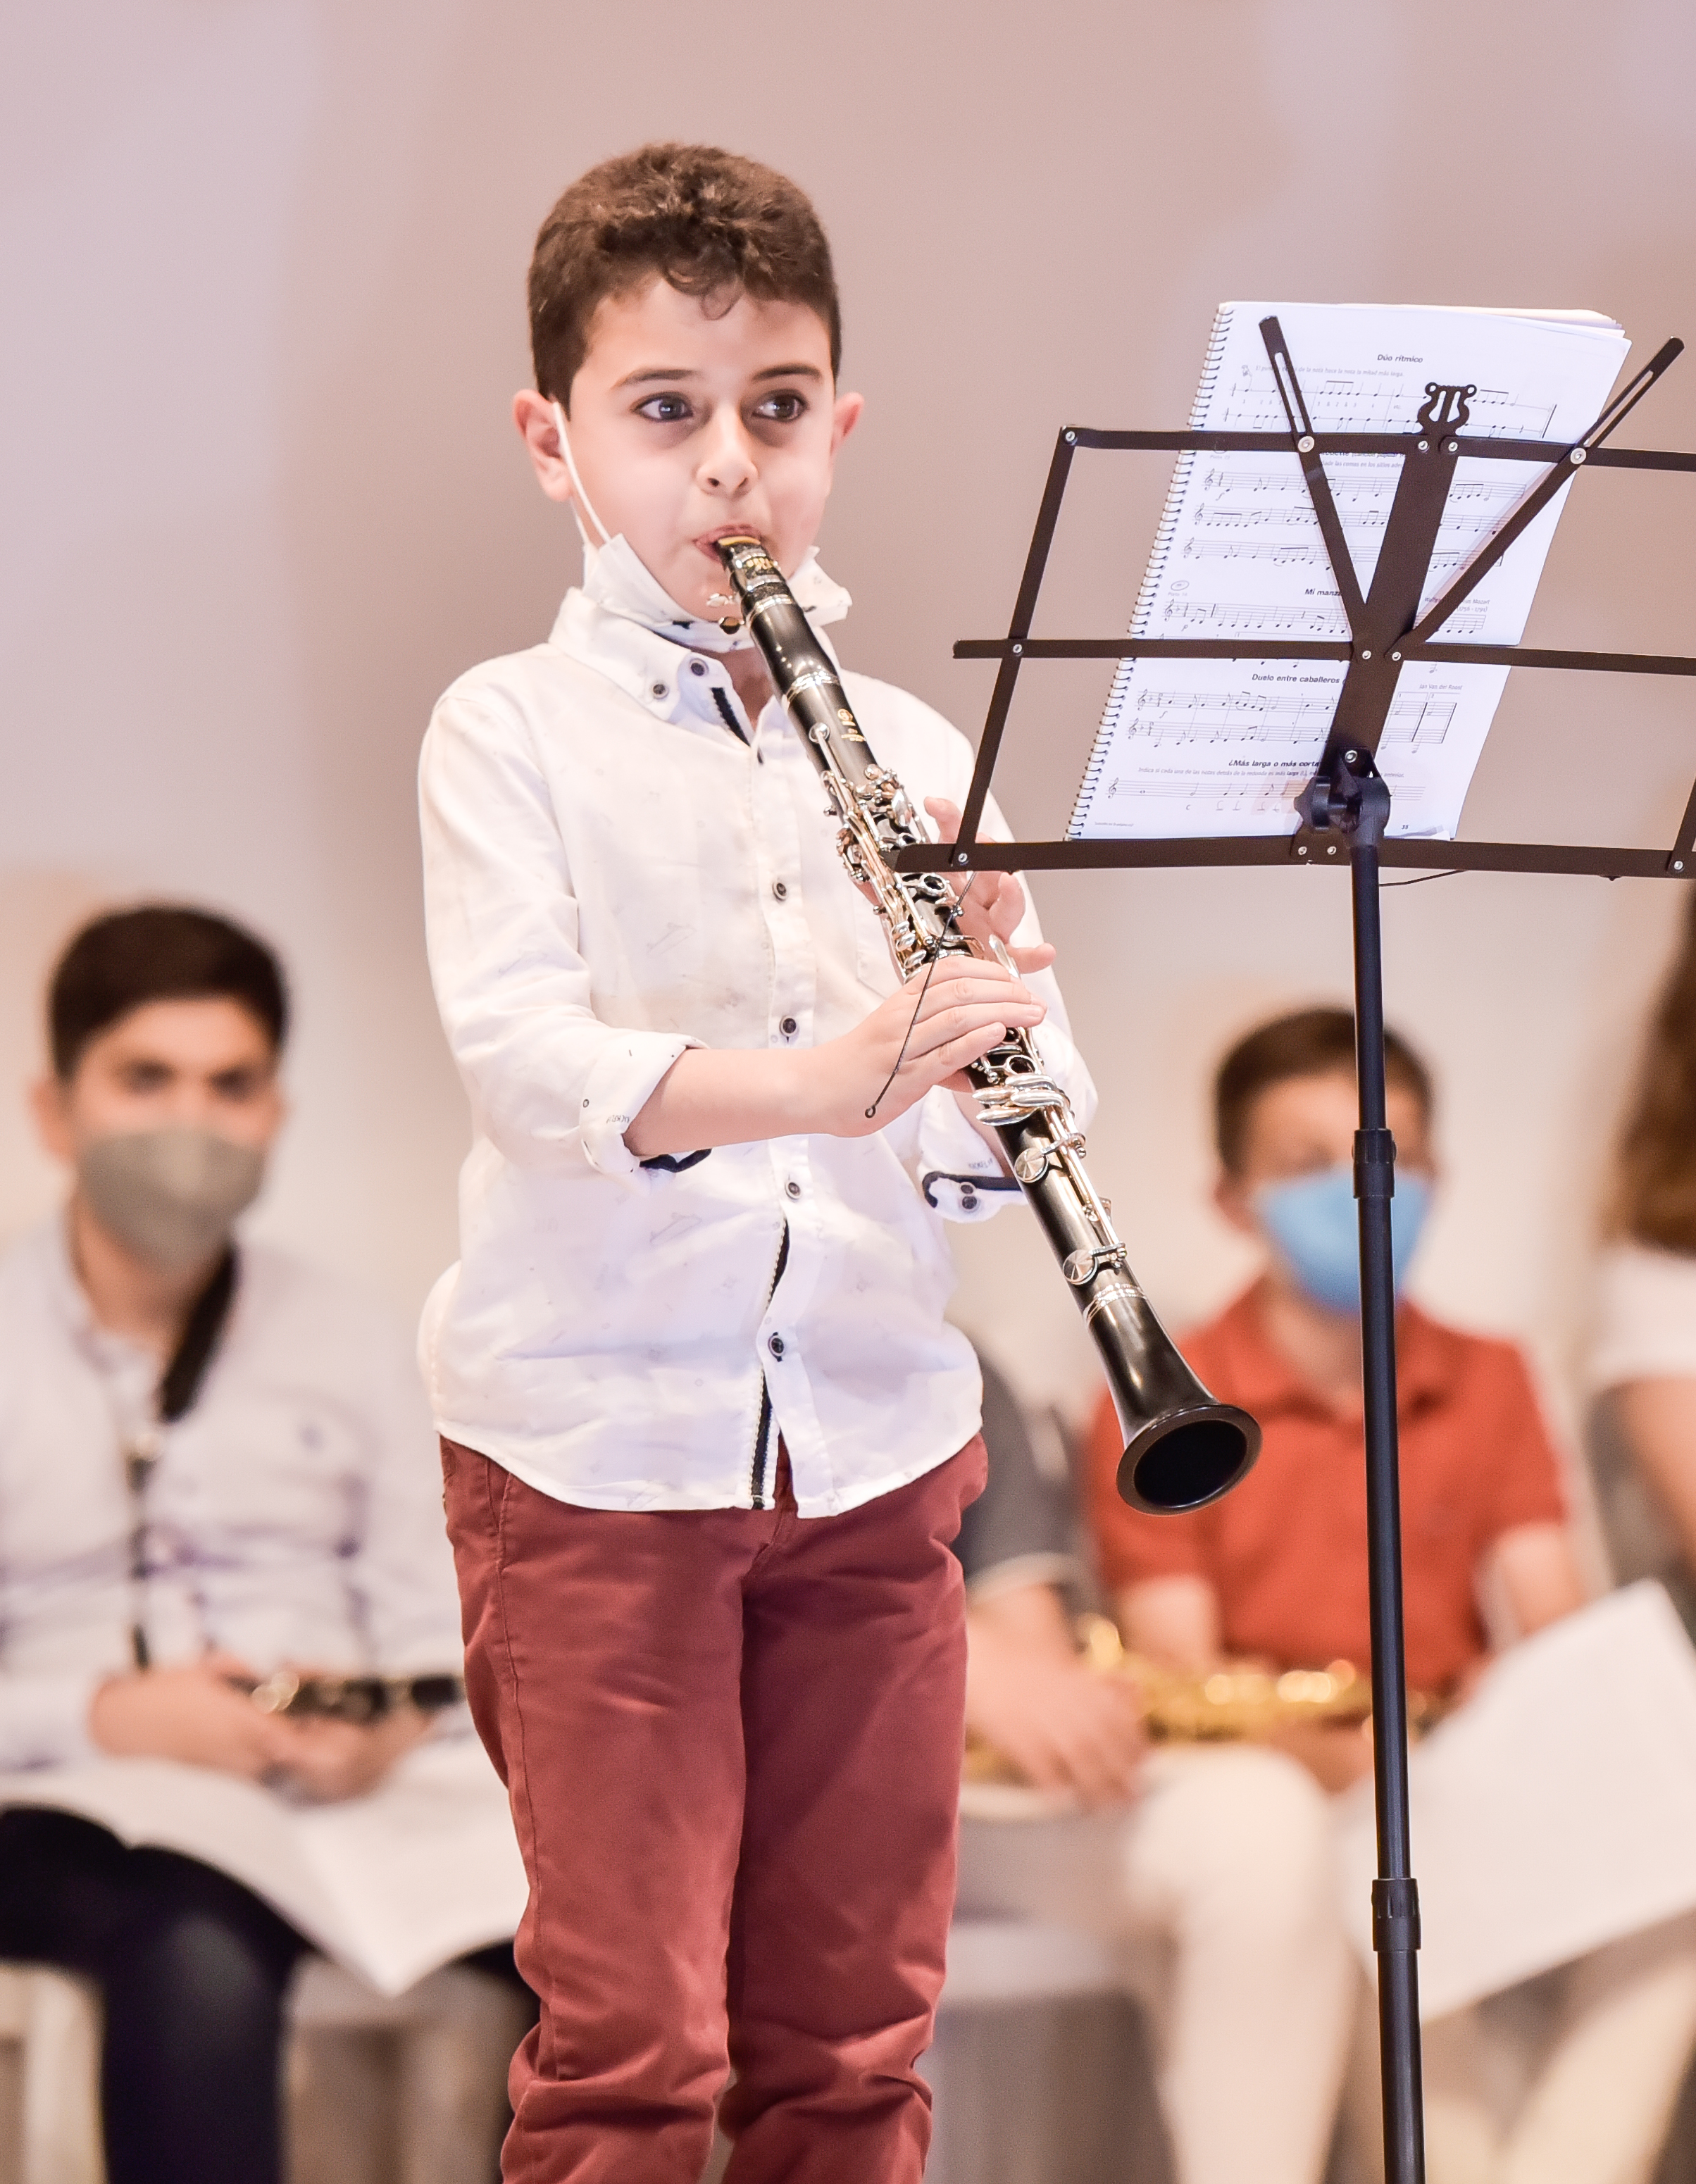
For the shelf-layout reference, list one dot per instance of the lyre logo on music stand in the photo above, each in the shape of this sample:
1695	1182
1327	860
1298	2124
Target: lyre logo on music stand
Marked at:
1447	411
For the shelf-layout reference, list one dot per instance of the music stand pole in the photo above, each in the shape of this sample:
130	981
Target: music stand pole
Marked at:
1365	802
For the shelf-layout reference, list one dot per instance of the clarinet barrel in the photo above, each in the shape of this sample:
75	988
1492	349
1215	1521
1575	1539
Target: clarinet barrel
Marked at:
1182	1447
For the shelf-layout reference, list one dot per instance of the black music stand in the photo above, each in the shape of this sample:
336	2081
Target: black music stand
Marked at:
1347	805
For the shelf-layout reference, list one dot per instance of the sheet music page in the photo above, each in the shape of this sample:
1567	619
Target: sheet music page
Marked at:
391	1884
1555	1812
1225	746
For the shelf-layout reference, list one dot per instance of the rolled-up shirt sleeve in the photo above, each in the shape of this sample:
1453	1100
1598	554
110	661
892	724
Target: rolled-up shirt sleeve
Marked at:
44	1718
552	1086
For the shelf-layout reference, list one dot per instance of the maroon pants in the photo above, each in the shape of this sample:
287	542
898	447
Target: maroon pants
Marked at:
732	1740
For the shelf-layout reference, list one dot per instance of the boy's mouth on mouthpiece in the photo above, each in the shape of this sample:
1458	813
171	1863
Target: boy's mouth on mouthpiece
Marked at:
708	540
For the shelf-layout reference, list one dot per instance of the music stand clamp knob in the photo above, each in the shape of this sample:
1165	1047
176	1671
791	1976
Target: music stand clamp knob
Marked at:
1350	795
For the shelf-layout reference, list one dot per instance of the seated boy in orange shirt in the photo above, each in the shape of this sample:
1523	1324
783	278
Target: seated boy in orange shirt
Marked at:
1277	1570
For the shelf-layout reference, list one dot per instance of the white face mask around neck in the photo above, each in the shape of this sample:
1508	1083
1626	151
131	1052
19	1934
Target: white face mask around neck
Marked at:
618	579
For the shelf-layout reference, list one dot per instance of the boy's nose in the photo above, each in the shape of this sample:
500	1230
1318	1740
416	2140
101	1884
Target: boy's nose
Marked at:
728	460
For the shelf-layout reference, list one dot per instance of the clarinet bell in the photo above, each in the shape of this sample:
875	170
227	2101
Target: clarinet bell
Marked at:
1187	1458
1183	1447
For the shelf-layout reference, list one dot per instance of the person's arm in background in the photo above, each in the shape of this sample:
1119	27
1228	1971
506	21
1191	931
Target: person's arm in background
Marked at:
1166	1606
401	1575
1658	1418
1029	1692
1173	1620
1539	1573
1530	1555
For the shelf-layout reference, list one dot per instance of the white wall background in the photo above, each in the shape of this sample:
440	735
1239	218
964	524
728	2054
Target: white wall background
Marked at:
263	267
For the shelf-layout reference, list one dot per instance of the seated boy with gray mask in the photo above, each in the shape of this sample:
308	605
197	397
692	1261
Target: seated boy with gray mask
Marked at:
215	1464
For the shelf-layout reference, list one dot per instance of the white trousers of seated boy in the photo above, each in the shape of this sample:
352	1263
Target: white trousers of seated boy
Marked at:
1570	2078
1218	1887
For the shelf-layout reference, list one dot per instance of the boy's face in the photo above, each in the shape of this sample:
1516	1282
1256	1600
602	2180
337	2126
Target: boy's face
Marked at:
686	426
1307	1124
206	1064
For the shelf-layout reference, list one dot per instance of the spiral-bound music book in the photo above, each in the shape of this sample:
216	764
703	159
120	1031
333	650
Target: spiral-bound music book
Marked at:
1225	746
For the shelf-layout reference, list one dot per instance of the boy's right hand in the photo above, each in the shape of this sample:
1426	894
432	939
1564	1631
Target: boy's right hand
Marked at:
933	1030
192	1713
1062	1725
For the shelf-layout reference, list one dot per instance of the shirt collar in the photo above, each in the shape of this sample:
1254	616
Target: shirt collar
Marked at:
1429	1362
622	623
616	577
118	1358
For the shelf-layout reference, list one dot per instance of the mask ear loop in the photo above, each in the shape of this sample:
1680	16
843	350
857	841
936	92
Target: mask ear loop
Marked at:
581	505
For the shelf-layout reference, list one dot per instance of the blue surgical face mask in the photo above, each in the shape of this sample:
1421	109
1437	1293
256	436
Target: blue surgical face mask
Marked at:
1313	1222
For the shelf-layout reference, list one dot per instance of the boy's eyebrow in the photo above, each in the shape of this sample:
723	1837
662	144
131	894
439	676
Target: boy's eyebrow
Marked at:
686	372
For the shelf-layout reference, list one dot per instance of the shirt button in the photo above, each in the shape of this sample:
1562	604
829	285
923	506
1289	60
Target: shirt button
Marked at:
789	1027
697	667
780	889
792	1187
774	1343
658	689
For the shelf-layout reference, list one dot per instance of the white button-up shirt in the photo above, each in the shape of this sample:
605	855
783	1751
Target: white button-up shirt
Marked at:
293	1516
619	864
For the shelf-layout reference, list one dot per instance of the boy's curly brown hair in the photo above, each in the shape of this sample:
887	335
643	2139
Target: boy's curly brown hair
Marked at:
712	224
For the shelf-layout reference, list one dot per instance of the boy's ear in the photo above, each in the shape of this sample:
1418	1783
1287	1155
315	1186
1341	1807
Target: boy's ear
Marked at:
49	1104
1232	1201
849	407
538	429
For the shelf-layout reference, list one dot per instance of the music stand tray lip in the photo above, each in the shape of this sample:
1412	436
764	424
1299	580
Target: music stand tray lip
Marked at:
1491	447
1302	846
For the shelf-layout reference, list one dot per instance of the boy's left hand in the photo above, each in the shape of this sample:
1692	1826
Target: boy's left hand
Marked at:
991	904
326	1762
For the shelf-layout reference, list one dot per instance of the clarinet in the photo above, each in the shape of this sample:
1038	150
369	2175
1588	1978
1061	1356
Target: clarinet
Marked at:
1183	1448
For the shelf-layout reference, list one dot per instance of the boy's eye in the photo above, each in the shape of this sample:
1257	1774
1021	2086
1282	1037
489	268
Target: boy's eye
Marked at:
144	1077
239	1084
782	408
664	408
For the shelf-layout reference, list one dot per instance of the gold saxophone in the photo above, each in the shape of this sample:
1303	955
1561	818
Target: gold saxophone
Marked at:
1238	1702
1183	1447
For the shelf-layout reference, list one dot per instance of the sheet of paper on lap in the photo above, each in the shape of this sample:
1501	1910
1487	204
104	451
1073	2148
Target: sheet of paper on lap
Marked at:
1554	1813
390	1884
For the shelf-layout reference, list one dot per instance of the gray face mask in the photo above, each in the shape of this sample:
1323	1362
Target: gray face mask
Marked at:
169	1195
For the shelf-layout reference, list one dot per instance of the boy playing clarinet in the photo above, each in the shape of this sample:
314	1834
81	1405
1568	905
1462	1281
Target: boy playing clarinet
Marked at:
707	1434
